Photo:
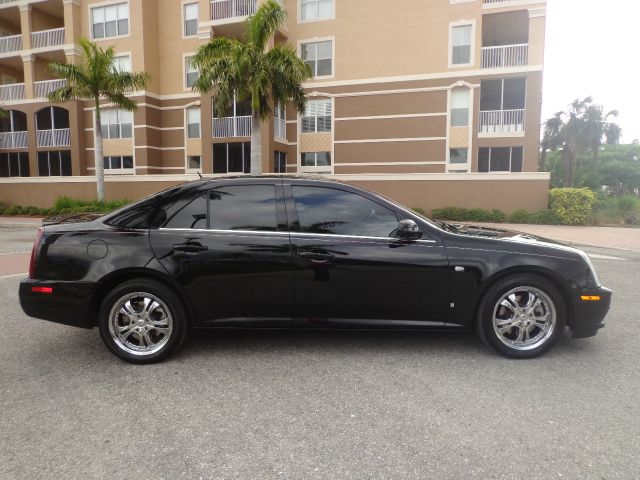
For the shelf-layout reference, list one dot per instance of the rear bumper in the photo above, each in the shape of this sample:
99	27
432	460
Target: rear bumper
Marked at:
588	314
67	304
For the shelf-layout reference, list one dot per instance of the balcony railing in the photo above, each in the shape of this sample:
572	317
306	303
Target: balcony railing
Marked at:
224	9
502	121
231	127
13	91
43	88
280	128
8	1
11	43
504	56
47	38
13	140
59	137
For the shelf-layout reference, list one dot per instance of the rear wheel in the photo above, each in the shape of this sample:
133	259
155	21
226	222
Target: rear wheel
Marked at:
521	316
142	321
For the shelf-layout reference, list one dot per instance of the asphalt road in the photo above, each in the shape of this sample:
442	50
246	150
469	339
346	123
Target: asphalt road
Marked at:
330	405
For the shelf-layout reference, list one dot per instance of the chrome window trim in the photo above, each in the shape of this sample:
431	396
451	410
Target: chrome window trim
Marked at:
300	234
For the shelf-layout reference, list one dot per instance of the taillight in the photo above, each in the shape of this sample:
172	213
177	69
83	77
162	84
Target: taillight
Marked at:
34	252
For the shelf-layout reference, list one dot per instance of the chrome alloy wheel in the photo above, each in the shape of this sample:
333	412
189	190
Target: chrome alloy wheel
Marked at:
524	318
140	323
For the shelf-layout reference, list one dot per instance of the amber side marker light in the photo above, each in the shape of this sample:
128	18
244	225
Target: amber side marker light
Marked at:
590	298
47	290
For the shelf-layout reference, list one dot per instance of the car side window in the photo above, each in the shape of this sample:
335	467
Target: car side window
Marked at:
243	207
187	213
331	211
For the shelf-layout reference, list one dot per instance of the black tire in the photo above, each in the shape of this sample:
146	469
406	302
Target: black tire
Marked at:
170	317
489	305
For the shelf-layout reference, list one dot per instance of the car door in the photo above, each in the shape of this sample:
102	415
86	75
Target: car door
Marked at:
229	249
349	270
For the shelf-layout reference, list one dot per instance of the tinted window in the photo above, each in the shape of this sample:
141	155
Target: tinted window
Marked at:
243	207
187	214
328	210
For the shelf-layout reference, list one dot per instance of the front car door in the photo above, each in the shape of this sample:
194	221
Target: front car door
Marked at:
349	268
228	247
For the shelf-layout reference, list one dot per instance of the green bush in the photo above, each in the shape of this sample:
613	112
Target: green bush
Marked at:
468	215
419	211
541	217
64	205
631	218
572	206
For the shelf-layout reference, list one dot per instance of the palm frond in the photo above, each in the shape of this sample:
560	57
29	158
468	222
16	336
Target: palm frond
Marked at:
265	23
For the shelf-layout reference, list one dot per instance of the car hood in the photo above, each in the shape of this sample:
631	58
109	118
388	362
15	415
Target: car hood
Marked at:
511	236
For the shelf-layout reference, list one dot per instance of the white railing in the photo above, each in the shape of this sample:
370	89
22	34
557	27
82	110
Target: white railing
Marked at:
231	127
43	88
11	43
502	121
495	1
13	91
60	137
13	140
280	128
223	9
47	38
505	56
7	1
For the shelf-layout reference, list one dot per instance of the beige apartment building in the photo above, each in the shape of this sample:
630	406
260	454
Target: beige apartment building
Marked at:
425	100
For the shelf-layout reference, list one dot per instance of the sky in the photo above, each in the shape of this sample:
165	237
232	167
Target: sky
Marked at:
593	49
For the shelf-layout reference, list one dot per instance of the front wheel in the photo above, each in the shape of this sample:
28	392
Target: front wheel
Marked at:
142	321
521	316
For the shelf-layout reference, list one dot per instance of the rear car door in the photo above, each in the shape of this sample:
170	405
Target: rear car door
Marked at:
229	249
349	270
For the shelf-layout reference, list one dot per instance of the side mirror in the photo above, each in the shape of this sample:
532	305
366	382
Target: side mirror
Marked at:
409	230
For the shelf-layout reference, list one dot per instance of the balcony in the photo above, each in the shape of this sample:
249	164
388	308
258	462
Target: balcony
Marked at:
227	127
505	56
13	91
503	122
12	43
43	88
229	9
59	137
47	38
13	140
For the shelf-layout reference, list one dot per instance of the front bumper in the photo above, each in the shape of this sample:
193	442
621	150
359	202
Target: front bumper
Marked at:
67	304
588	315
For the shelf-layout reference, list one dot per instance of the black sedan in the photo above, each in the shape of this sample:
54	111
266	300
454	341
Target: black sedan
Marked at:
285	251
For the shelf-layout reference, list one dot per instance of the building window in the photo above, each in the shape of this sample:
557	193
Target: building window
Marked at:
232	157
503	94
194	162
122	63
460	107
191	72
500	159
280	122
14	164
110	21
193	122
280	162
190	12
319	56
54	164
317	117
319	162
116	123
118	163
314	10
13	121
461	39
52	118
459	155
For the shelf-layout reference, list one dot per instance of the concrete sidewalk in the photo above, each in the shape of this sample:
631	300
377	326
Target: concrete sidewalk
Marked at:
607	237
20	221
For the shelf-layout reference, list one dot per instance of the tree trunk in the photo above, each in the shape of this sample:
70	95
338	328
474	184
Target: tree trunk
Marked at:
256	145
98	155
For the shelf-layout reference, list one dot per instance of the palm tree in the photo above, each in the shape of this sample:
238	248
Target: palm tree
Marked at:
249	69
96	77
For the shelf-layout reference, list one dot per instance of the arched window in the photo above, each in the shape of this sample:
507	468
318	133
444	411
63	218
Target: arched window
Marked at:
52	118
15	121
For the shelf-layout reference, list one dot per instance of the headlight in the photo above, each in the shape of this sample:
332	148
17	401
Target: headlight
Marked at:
594	274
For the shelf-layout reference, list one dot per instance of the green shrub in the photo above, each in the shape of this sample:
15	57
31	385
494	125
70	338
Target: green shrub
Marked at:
631	218
2	209
572	206
468	214
419	211
65	205
541	217
628	203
